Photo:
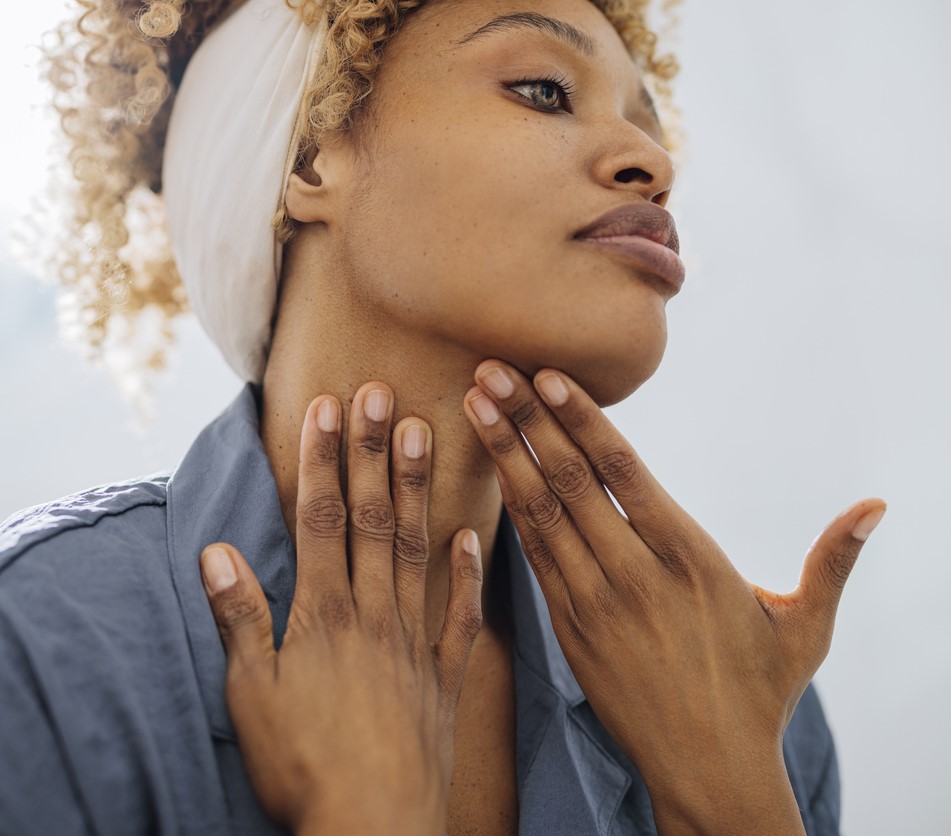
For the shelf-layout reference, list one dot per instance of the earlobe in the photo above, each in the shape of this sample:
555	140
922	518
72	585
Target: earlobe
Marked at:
305	198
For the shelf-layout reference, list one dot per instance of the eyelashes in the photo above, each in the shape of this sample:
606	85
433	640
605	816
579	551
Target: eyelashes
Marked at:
564	88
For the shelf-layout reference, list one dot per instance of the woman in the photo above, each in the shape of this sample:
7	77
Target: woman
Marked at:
476	193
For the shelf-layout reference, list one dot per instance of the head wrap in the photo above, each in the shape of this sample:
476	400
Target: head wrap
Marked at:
230	148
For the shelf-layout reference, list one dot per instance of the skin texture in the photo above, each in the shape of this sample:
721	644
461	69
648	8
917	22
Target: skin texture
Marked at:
649	590
355	667
445	237
437	238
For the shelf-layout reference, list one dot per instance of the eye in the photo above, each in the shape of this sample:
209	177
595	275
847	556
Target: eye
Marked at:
547	93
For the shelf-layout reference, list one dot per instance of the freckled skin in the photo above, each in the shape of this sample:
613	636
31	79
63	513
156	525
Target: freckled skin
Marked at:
436	244
495	199
440	235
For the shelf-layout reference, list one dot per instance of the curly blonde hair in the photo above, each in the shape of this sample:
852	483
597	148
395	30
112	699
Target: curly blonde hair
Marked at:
114	68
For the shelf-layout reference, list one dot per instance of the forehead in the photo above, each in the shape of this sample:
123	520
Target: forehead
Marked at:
442	26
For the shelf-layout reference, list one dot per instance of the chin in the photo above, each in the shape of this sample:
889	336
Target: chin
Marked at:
612	371
609	384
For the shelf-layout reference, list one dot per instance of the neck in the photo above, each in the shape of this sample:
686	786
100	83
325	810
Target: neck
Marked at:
336	346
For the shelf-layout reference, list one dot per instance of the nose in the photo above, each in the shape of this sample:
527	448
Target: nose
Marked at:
632	161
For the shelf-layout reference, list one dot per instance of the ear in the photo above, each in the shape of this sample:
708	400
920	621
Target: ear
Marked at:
309	190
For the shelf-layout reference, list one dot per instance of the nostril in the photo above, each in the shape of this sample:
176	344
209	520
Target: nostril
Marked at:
633	175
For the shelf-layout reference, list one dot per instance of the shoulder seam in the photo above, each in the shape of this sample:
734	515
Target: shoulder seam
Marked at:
56	532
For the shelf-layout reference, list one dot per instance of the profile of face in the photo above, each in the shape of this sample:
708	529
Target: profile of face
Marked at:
481	157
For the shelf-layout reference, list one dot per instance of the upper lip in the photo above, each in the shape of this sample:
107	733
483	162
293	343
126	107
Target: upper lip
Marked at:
648	220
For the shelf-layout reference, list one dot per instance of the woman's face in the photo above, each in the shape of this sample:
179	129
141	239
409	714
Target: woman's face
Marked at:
477	176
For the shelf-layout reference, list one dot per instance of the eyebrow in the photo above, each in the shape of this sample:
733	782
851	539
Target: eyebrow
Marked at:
564	32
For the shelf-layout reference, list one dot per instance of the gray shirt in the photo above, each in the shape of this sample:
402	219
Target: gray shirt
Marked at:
112	710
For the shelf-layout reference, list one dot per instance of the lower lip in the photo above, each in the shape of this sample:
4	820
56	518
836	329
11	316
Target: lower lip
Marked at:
658	259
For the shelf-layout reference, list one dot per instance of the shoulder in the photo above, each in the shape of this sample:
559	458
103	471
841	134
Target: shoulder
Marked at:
53	525
81	575
101	703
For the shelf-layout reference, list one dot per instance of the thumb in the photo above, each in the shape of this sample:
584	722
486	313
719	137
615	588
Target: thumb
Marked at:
833	553
238	605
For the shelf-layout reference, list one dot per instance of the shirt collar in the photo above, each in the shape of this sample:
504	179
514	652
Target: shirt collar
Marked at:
224	490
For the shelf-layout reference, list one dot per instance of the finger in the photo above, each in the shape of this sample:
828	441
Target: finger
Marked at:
540	558
463	614
830	561
238	605
321	513
412	466
535	504
372	524
667	529
563	463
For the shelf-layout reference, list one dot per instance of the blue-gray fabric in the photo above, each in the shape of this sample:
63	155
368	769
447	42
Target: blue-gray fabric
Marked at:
112	711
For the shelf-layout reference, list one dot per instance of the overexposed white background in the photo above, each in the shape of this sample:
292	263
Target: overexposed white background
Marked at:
808	366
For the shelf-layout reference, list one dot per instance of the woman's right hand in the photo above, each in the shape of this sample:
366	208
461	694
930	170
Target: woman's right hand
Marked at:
349	727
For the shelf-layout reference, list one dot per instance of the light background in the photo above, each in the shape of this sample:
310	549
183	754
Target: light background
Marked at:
808	362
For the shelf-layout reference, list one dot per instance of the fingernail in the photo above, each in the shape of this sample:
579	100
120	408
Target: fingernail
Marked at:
497	382
866	525
470	543
552	389
217	569
485	409
414	441
327	415
376	404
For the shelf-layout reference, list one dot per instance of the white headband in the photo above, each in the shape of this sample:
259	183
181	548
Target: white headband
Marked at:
229	151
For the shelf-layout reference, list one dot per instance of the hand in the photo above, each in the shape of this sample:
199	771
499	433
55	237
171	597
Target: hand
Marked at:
349	727
692	670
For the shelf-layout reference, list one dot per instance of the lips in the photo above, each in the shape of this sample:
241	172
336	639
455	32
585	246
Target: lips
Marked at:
642	232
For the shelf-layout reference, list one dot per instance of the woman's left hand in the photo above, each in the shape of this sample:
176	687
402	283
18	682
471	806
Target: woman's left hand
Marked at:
693	671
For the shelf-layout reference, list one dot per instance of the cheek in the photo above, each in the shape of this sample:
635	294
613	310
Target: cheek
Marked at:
453	211
465	237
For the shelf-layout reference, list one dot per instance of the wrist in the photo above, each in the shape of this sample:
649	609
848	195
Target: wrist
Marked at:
752	796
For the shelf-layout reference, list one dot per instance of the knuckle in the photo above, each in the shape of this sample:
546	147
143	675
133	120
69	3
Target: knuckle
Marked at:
619	468
571	479
503	444
536	549
673	553
603	601
373	518
544	511
636	582
323	516
236	611
335	611
413	479
327	449
470	573
838	567
527	415
410	547
678	568
467	618
373	443
580	419
577	633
